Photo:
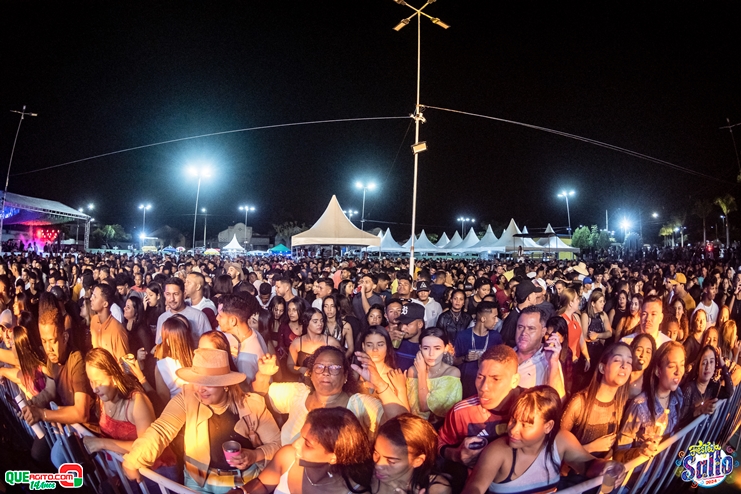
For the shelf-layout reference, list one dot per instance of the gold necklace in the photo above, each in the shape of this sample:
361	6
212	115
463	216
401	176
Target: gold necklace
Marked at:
306	474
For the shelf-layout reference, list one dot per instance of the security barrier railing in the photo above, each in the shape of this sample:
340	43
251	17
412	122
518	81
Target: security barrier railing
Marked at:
644	476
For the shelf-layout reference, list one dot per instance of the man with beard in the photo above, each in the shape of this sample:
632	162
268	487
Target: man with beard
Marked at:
175	303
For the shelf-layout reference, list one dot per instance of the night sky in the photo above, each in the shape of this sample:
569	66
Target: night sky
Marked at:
658	78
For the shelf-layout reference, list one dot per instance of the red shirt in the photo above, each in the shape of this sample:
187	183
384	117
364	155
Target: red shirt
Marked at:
574	334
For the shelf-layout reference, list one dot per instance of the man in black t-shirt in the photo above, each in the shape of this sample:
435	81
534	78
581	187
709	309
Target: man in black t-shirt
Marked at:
67	368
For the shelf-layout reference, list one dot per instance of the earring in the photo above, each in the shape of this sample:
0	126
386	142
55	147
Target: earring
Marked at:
226	388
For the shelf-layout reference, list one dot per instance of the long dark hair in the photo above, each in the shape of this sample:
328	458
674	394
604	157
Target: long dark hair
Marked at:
339	432
140	318
589	395
436	332
340	322
418	437
29	362
377	307
305	319
157	289
651	385
390	359
634	345
544	401
278	300
176	340
101	359
695	370
222	285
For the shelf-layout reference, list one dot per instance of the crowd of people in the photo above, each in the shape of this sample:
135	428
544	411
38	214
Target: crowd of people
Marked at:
353	375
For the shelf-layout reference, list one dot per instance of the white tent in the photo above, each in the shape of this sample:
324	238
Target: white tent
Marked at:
233	246
388	244
334	228
552	243
423	244
468	242
454	242
510	243
444	240
487	243
524	230
408	244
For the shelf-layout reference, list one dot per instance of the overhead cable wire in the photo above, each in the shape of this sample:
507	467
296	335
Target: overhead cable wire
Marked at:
261	127
589	141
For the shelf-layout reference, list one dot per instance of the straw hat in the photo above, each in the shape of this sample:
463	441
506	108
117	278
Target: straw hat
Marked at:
581	268
210	368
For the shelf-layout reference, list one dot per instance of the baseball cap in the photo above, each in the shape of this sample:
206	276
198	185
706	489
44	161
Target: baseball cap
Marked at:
524	289
587	281
411	312
6	318
679	279
422	286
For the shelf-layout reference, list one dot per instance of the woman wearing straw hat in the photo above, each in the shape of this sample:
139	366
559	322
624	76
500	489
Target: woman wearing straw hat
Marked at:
214	411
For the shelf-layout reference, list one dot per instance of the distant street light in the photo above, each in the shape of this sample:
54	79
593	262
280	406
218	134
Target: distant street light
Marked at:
418	146
566	195
655	215
349	213
203	172
463	224
246	210
365	187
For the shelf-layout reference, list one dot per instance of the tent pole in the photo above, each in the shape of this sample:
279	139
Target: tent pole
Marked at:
87	236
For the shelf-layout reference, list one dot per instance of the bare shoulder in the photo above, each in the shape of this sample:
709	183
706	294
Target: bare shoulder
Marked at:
452	371
334	342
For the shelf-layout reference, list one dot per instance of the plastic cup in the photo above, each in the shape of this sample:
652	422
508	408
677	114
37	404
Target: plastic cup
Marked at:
396	343
608	484
231	449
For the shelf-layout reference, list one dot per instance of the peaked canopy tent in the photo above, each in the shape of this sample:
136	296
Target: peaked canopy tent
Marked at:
444	240
388	244
552	243
510	242
423	244
454	242
279	249
334	228
233	246
33	211
465	246
487	243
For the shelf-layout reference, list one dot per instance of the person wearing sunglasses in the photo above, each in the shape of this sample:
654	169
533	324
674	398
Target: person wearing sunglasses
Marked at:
329	384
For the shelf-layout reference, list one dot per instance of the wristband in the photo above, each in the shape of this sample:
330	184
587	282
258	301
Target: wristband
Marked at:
384	389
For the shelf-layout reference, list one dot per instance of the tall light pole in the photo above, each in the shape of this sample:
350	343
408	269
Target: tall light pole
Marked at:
418	146
723	217
246	210
365	187
566	195
463	224
144	215
203	172
205	222
23	114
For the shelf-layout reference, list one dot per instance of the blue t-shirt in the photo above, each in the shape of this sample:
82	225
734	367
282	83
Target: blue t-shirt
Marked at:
466	341
405	354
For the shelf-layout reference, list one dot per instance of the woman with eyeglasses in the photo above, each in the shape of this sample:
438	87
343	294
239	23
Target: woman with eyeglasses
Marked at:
330	384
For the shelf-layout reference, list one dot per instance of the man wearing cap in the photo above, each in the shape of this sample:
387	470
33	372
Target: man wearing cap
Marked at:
212	410
234	270
432	308
525	296
678	284
411	322
586	292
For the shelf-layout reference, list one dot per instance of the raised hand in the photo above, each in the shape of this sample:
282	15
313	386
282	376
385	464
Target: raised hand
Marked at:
267	365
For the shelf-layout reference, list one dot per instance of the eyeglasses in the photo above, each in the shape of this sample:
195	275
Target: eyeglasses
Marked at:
333	369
